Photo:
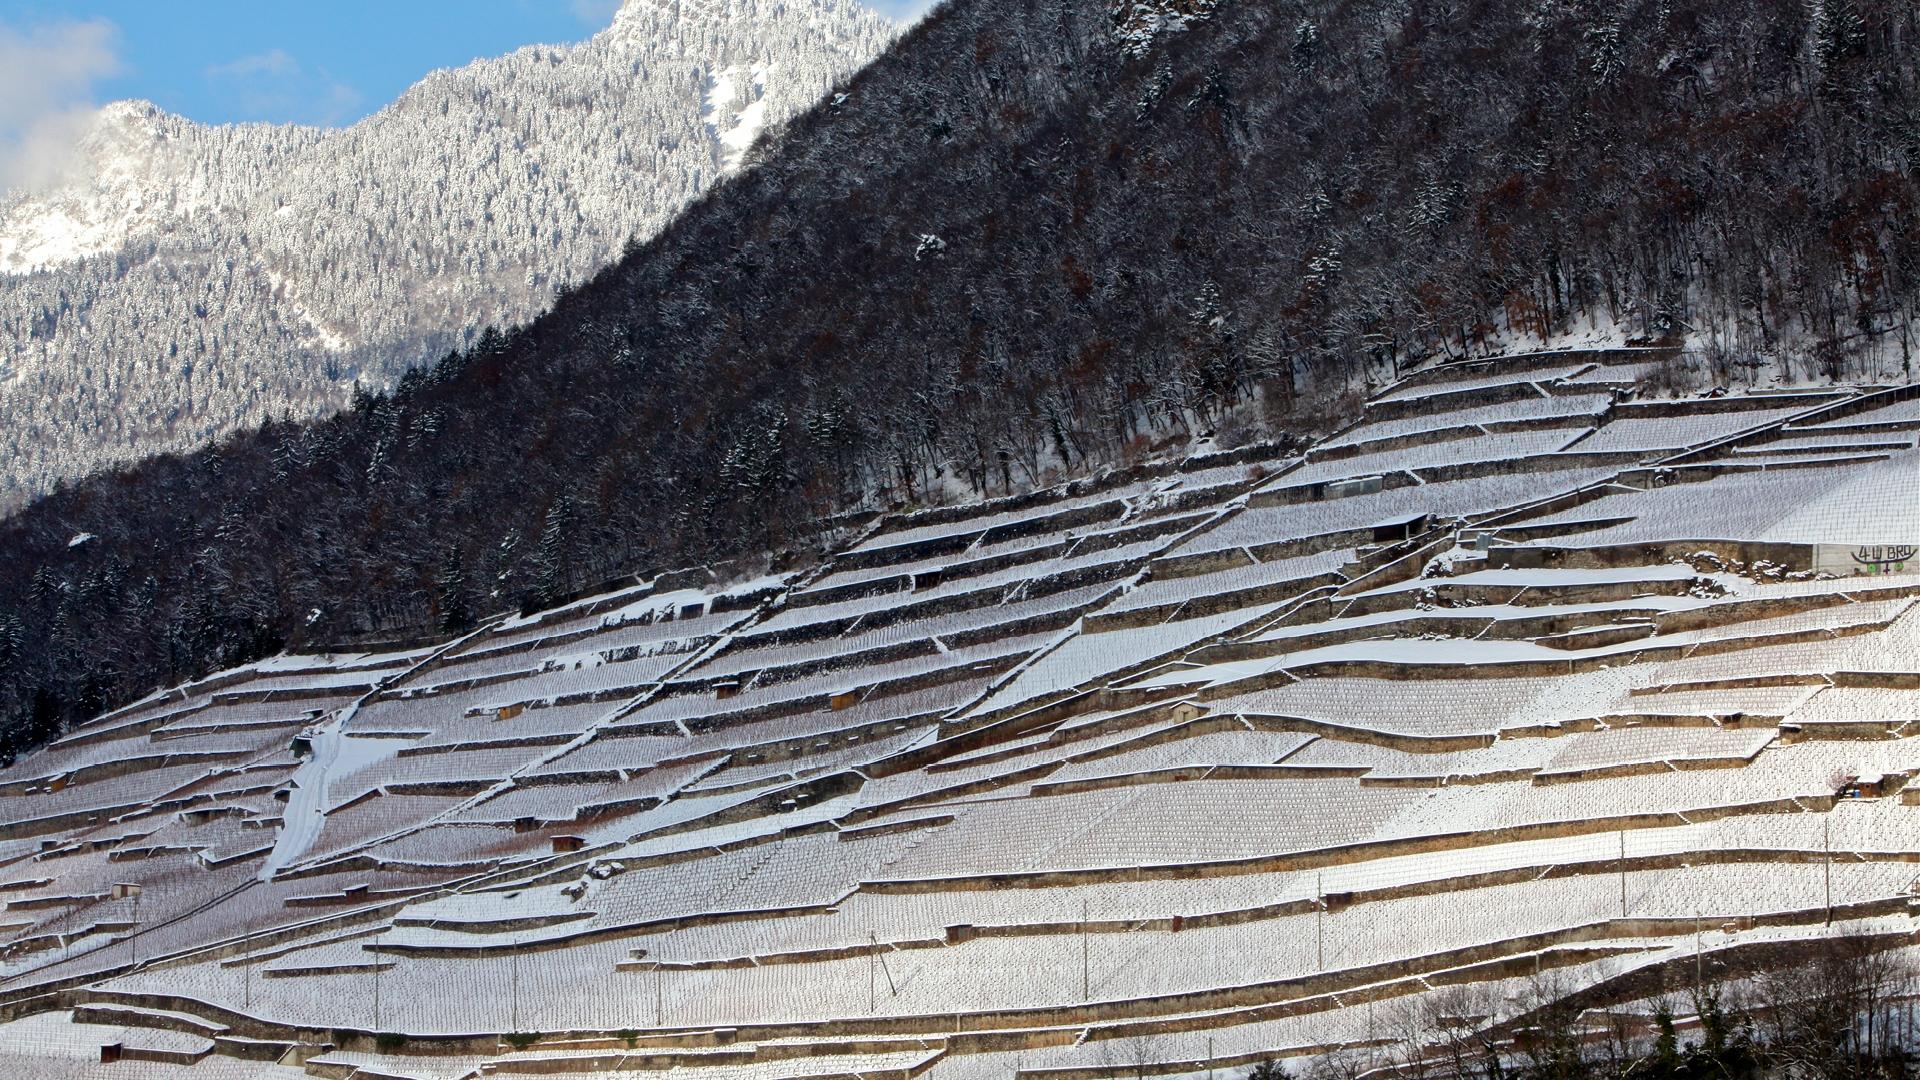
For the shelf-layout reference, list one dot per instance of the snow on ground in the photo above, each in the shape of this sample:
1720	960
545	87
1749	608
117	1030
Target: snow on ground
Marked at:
988	765
335	753
733	124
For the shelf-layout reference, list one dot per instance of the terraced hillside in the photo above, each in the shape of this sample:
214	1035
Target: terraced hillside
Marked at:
1524	685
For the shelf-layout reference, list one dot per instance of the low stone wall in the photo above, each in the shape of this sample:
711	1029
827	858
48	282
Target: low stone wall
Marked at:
1346	854
1448	401
1418	744
1793	557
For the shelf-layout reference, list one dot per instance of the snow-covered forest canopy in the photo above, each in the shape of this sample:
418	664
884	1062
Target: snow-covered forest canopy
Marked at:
1033	239
187	280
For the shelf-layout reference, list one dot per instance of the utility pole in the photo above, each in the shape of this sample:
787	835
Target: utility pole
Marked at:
1826	841
1697	983
1086	957
873	947
516	991
873	942
1623	873
1319	923
376	986
659	998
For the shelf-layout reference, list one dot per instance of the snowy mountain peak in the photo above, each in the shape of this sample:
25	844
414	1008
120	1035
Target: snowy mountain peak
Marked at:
185	279
97	204
133	114
136	169
635	13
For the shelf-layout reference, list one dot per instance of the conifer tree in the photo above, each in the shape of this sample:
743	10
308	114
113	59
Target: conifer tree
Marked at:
552	578
452	592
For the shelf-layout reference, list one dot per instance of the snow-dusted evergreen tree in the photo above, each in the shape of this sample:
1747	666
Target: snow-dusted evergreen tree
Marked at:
453	596
191	279
552	577
1839	33
11	635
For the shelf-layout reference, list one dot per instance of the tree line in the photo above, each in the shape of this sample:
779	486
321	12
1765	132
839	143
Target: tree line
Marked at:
1035	239
1843	1008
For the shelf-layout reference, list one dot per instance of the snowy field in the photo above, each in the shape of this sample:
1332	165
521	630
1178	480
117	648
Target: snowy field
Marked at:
1134	778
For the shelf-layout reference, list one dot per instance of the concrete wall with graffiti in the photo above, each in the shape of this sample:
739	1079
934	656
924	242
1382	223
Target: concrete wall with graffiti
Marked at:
1845	560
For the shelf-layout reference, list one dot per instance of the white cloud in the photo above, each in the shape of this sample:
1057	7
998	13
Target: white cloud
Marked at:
275	86
595	13
339	102
47	72
275	62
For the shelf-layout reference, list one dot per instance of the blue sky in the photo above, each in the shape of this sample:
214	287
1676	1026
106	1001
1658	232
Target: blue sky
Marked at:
314	62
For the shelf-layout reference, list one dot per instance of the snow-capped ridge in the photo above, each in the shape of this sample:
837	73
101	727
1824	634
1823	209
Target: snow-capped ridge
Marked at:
208	276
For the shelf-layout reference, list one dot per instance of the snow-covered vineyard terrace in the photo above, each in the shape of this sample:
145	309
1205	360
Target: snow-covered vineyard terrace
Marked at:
1175	771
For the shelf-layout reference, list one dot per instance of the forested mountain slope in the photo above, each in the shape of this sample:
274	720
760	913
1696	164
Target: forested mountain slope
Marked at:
190	279
1033	236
